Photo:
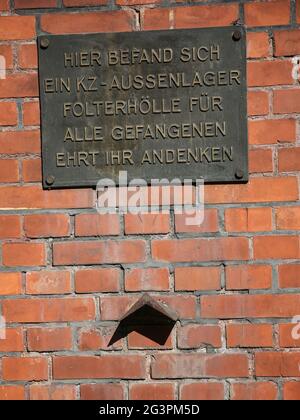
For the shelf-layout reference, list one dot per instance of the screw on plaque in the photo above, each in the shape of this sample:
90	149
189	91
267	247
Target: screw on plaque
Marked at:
239	174
50	180
45	43
236	36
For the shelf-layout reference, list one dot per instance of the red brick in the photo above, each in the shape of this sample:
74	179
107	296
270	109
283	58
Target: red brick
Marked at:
102	392
152	391
14	142
27	57
258	45
8	113
258	190
286	335
205	16
291	391
48	283
250	306
155	279
198	391
10	284
32	170
7	52
9	170
31	113
35	4
280	364
261	160
197	278
65	23
97	367
248	335
19	85
287	101
23	254
298	11
248	277
98	252
199	366
13	340
4	6
136	2
248	220
97	225
33	197
156	19
289	159
258	103
46	225
17	27
254	391
287	43
150	337
49	310
209	224
186	250
49	339
98	339
147	224
52	392
25	368
270	73
12	393
97	280
114	307
288	218
289	276
72	3
272	131
10	226
276	247
193	336
267	13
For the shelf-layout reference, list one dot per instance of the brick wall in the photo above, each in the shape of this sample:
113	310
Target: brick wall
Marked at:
68	274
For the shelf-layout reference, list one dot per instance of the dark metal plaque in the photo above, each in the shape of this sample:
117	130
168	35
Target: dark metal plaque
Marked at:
159	105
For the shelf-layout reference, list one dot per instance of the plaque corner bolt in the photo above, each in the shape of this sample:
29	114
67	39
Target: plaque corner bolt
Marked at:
45	43
50	180
239	174
236	36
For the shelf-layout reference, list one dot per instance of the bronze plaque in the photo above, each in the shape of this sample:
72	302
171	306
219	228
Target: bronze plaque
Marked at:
159	105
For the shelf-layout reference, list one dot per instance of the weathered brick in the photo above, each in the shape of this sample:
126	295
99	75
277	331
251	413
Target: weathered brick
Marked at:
276	247
28	56
205	16
147	224
10	284
186	250
19	85
94	367
31	113
13	340
24	254
65	23
10	226
269	13
273	364
248	220
152	391
291	391
97	225
52	392
261	160
12	392
254	391
46	225
210	222
258	103
248	277
8	113
17	27
194	336
15	142
199	391
289	159
272	131
25	368
155	279
9	170
288	218
289	276
258	45
250	306
98	252
32	170
48	282
197	278
177	366
49	310
97	280
289	336
102	392
49	339
246	335
287	43
270	73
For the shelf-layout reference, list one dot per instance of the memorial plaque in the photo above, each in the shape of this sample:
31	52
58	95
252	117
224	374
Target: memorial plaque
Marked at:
159	105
